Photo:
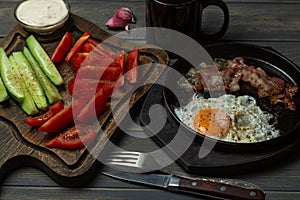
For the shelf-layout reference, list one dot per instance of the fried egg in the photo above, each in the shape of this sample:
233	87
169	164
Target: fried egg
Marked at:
229	118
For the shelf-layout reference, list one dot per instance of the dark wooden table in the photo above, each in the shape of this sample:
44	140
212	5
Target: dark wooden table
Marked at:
268	23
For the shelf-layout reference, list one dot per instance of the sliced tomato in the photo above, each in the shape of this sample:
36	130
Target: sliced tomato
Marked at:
63	119
98	73
87	88
78	59
102	49
96	59
119	63
93	42
41	119
87	47
71	86
131	64
74	138
107	86
77	45
92	58
93	108
62	48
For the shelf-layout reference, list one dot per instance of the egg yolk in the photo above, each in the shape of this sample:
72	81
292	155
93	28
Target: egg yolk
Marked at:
212	122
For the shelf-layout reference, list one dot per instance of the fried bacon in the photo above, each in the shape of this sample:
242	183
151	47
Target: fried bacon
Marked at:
287	97
233	71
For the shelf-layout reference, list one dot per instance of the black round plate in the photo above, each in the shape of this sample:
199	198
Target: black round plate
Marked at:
274	64
227	157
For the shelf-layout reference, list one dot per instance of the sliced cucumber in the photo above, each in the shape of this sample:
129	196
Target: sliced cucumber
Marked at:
44	60
3	93
27	105
49	88
31	82
10	78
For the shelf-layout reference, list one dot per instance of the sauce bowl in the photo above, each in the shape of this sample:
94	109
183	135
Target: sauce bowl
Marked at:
44	25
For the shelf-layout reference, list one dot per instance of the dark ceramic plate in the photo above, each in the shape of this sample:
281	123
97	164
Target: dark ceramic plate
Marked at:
274	64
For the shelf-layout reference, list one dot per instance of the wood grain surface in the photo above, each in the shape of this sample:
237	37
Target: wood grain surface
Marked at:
266	23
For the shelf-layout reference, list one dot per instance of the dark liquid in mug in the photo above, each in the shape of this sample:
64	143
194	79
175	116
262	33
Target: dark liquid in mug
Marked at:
183	16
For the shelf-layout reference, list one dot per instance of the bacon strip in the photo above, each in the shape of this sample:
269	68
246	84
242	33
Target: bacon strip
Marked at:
234	71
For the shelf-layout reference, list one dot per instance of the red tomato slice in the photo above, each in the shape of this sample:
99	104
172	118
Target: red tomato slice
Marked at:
93	42
98	73
74	138
87	47
62	48
98	50
107	86
102	49
87	88
41	119
119	63
77	45
93	108
96	59
78	59
131	64
71	86
92	58
64	118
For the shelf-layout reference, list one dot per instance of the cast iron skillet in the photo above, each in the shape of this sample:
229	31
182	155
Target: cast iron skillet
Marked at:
274	64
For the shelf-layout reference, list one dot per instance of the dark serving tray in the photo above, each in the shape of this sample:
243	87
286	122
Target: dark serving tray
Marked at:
222	160
22	145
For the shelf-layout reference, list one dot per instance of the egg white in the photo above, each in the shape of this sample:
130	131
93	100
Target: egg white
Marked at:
249	123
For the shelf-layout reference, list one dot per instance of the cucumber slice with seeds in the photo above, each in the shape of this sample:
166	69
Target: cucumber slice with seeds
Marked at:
44	60
27	105
31	82
3	94
49	88
10	78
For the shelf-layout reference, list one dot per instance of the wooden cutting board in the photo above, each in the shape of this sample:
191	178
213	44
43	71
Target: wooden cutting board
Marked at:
21	145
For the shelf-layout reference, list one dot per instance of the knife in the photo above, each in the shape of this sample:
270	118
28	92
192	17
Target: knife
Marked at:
222	188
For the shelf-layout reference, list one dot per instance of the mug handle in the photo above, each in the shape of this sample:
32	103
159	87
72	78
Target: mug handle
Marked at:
224	8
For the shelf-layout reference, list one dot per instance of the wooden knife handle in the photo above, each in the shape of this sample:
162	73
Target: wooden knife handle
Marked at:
219	189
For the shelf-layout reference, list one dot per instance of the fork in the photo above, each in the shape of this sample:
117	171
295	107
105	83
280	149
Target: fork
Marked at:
138	162
131	161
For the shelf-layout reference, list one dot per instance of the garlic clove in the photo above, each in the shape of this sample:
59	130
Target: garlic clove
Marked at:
117	23
126	14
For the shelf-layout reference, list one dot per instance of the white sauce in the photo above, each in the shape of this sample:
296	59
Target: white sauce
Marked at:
41	12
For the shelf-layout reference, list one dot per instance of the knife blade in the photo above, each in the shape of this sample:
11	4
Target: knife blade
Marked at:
200	186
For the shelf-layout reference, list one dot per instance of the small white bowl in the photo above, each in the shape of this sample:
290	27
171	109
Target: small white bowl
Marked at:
47	28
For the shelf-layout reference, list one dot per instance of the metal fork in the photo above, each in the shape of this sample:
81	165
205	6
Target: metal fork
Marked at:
131	161
137	162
